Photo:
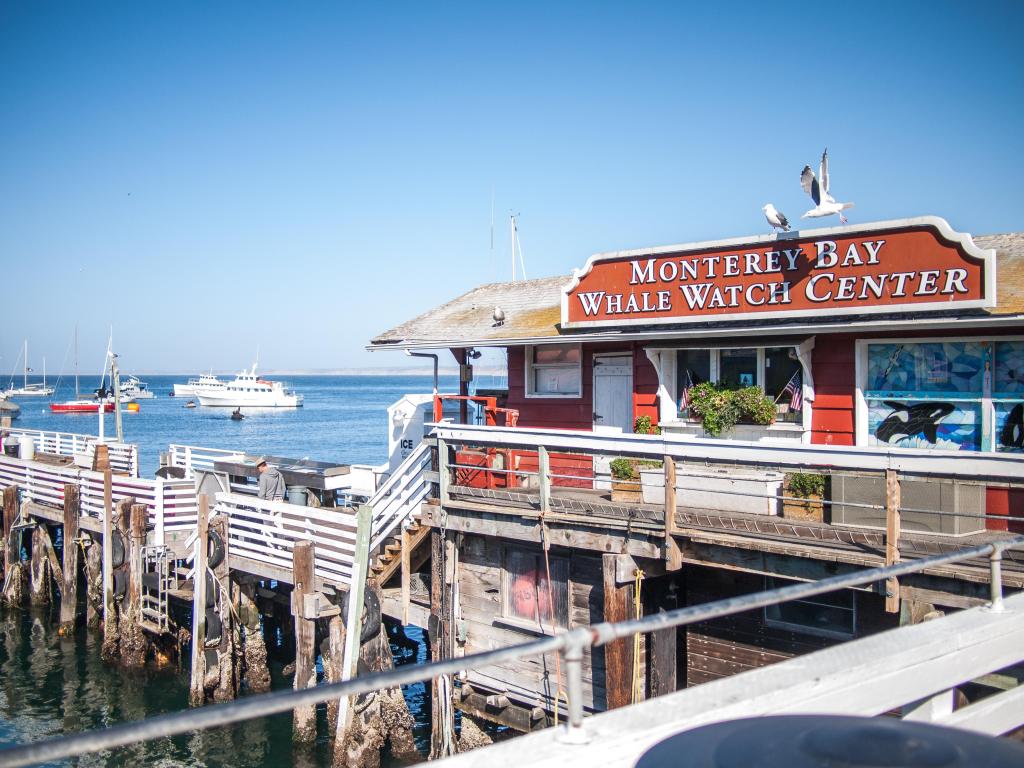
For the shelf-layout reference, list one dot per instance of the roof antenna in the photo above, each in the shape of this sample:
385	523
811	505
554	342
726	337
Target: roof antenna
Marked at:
515	244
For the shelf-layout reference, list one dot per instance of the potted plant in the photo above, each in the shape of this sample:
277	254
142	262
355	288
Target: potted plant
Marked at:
721	408
804	492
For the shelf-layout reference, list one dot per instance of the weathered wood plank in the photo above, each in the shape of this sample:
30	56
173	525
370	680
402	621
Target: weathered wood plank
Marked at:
618	655
304	718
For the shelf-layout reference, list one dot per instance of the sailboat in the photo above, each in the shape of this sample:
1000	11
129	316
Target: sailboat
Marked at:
29	390
80	404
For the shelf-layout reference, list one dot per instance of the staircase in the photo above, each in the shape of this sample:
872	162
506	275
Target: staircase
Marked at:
156	583
388	560
396	514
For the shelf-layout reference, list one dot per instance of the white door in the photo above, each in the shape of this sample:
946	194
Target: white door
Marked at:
613	406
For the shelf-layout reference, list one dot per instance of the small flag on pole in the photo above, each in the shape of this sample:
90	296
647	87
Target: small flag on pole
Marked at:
795	389
684	398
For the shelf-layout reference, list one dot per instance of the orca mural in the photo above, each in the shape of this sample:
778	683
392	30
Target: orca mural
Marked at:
906	421
1011	436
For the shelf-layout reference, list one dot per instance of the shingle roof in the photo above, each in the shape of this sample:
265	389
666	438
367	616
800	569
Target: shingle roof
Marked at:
1009	249
532	310
533	307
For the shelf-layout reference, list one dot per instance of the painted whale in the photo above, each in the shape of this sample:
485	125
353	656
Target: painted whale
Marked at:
1012	433
909	420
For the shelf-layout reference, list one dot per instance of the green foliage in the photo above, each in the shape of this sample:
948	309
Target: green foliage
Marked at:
721	408
643	426
806	484
623	469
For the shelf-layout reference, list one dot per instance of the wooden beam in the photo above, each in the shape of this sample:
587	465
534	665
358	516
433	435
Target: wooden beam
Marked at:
197	687
663	650
618	654
354	624
892	538
10	514
304	728
69	587
406	555
108	533
673	554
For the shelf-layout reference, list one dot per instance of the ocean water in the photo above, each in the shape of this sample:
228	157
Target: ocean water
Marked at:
51	685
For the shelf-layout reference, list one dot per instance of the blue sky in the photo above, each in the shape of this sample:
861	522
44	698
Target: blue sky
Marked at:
213	178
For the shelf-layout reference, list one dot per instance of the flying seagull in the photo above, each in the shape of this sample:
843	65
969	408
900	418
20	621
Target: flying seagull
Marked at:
824	203
776	218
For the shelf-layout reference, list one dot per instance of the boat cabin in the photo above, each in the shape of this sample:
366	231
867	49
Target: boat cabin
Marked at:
710	419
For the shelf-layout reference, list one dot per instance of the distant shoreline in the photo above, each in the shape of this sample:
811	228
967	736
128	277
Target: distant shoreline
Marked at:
341	372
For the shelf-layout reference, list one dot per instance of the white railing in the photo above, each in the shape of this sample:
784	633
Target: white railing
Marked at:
192	457
266	532
124	457
172	504
398	500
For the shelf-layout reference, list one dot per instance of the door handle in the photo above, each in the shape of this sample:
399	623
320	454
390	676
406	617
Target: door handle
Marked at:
597	415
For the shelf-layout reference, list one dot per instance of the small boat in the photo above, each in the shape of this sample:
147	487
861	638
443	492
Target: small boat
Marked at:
205	381
135	389
132	407
236	415
29	390
250	391
190	404
82	406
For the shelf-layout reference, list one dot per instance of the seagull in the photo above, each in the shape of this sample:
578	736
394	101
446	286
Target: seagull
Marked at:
776	218
824	203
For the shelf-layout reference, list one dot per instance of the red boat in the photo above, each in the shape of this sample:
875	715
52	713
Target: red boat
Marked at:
80	406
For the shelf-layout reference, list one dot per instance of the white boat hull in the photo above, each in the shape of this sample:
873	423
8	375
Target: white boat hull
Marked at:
29	392
249	399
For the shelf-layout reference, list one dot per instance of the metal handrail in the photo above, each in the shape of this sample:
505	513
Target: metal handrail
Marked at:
570	644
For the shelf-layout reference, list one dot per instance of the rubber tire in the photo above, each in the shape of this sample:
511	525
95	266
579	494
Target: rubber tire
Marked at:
119	583
117	549
211	591
214	549
151	580
371	615
214	626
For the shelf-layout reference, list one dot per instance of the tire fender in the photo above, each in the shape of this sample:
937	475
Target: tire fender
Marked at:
371	615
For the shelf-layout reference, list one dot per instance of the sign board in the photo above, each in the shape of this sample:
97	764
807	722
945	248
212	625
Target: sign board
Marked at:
912	265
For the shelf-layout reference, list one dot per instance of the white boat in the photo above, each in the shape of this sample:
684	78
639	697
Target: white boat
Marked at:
251	392
132	388
205	381
26	389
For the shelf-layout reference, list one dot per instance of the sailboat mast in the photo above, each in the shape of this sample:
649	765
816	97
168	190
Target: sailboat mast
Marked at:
26	363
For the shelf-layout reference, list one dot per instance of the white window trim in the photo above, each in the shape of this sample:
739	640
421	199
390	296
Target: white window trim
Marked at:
860	411
664	361
528	368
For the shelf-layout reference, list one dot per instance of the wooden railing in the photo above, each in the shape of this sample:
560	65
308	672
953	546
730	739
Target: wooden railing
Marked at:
267	531
124	457
192	457
398	500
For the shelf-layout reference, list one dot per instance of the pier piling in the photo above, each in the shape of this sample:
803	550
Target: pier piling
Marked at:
305	638
255	675
93	580
197	689
39	591
133	640
227	682
69	587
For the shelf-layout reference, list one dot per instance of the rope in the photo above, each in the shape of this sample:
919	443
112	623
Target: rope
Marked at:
638	612
546	546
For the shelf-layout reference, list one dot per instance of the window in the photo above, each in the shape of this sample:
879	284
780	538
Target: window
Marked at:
775	369
527	598
554	371
948	394
830	615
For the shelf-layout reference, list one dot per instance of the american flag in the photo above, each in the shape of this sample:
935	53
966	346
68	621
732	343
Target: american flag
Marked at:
684	398
795	389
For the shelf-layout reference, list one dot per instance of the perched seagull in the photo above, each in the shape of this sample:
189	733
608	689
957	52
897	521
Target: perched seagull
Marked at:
776	218
824	203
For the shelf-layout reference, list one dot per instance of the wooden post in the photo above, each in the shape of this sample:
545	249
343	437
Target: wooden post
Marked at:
353	623
618	654
663	648
304	729
69	589
10	514
108	532
444	471
227	684
544	476
442	724
673	554
197	688
406	555
93	581
892	538
133	641
255	672
39	593
334	666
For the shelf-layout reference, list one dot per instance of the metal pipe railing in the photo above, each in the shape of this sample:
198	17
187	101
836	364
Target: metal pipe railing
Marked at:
571	644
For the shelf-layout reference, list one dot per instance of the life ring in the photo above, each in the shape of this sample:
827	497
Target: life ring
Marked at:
214	549
116	549
370	617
